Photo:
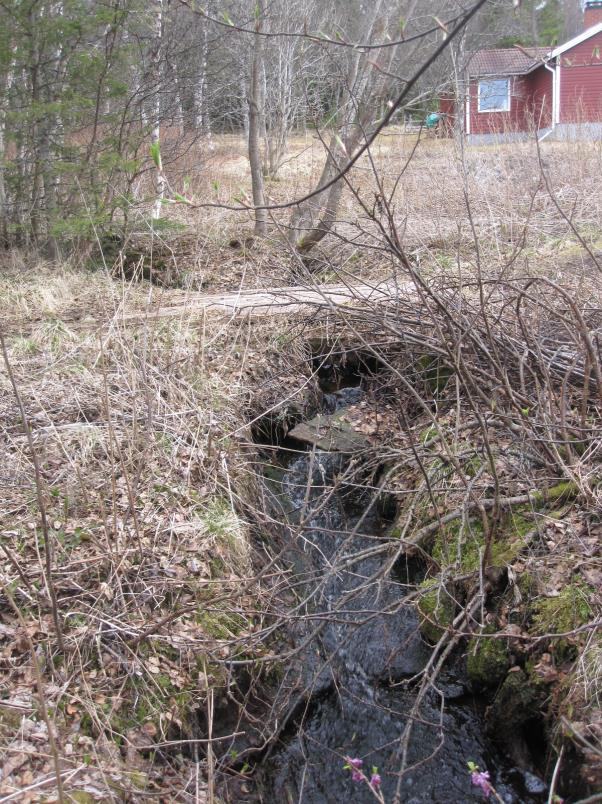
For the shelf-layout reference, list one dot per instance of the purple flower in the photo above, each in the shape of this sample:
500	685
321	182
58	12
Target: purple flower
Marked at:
375	781
481	779
354	765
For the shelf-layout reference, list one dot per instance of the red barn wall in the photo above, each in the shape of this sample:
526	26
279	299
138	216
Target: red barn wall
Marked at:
581	82
497	122
541	100
530	104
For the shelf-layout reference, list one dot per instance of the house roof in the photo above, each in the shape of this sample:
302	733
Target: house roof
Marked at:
583	37
506	61
520	60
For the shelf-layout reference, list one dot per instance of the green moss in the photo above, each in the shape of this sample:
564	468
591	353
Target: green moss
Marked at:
154	647
461	544
10	722
165	682
437	609
520	522
221	624
81	797
561	492
472	466
576	445
562	614
139	779
86	725
273	473
428	433
516	702
509	541
453	543
538	683
276	672
216	674
567	611
488	661
527	584
217	568
435	374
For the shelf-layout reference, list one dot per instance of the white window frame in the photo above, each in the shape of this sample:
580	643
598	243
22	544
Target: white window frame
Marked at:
506	108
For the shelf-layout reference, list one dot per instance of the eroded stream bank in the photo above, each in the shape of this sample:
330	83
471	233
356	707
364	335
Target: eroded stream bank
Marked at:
358	658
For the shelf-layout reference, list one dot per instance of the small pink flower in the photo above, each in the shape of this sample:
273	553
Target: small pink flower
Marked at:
375	781
481	779
354	765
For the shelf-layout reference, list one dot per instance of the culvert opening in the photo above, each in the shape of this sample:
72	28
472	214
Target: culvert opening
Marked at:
342	375
338	366
271	429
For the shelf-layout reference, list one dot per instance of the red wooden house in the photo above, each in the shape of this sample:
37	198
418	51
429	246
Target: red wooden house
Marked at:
514	92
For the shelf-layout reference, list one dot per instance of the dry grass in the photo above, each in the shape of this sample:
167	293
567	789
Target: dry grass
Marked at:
442	199
140	438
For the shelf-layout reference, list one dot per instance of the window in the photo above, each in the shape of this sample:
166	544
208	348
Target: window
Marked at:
494	95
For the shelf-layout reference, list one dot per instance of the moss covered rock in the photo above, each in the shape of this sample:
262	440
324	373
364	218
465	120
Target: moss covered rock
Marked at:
437	609
462	545
516	702
488	661
563	613
434	373
569	609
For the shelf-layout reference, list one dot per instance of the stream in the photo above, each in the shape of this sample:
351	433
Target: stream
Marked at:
354	679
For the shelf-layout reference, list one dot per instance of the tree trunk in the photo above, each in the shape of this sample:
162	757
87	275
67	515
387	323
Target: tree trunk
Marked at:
255	125
156	130
200	89
458	57
38	227
4	212
314	219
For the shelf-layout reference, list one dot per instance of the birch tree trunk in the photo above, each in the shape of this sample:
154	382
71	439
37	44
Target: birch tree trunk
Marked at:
156	129
201	112
255	104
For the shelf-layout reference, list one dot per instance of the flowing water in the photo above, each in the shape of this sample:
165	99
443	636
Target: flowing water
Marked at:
359	647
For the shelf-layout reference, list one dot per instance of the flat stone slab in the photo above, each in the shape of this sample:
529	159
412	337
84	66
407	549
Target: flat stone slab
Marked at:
330	433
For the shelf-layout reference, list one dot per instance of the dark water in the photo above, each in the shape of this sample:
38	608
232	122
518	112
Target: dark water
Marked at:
352	680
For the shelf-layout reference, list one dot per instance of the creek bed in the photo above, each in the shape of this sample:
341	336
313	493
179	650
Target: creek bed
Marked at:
355	676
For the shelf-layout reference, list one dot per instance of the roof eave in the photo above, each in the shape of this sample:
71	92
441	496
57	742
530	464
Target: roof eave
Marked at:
508	73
